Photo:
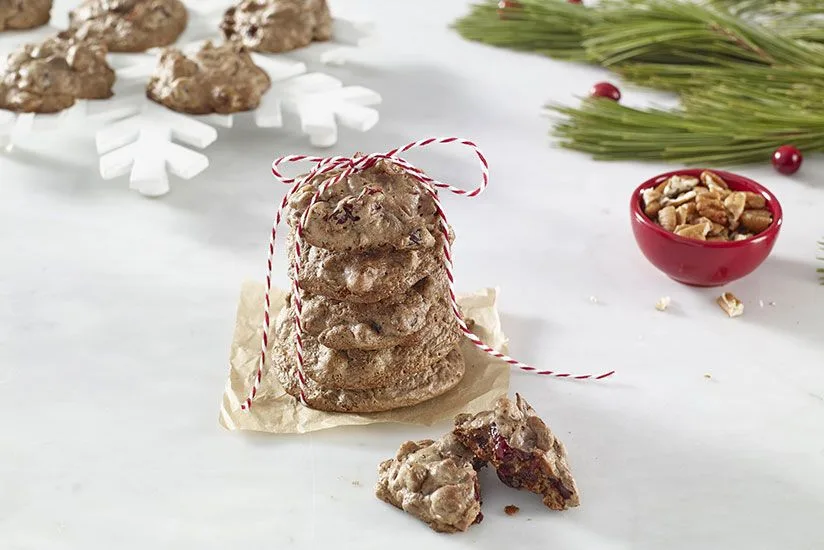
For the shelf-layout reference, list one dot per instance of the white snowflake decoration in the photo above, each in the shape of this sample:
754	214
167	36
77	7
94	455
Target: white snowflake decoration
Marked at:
147	141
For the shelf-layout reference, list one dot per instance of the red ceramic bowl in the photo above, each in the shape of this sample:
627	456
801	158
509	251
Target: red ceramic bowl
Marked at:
701	263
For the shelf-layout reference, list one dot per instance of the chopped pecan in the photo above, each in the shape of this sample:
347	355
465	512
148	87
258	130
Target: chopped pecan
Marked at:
679	184
697	231
754	200
667	218
686	213
683	198
652	202
711	179
730	304
711	208
735	204
756	221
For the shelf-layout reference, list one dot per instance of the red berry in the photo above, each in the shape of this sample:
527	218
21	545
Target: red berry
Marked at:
787	159
575	1
605	90
506	6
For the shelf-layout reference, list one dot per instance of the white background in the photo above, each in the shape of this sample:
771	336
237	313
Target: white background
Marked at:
116	315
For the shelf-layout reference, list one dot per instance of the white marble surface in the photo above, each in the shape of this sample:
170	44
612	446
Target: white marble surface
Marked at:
116	314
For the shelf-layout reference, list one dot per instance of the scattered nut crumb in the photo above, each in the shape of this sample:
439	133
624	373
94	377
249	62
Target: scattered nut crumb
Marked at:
511	509
356	483
707	376
771	304
593	299
761	304
663	303
730	304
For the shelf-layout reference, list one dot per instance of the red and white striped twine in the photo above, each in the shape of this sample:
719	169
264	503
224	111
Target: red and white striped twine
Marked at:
347	167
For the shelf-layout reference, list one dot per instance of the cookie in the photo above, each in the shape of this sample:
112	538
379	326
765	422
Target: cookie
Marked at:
49	77
274	26
217	79
129	25
364	277
433	481
381	206
18	15
396	321
402	392
364	369
525	453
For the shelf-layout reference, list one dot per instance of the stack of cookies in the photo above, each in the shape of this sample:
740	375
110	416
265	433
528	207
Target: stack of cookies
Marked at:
378	329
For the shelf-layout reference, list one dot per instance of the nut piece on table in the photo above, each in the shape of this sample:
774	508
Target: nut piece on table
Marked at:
731	305
523	450
663	303
667	218
435	481
756	221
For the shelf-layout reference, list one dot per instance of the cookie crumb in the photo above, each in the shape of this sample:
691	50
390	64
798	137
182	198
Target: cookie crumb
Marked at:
511	509
730	304
663	303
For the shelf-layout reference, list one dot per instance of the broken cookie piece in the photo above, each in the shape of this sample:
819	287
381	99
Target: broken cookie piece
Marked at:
275	26
523	450
24	14
217	79
435	481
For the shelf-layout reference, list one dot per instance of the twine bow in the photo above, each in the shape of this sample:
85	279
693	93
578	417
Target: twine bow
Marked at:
346	167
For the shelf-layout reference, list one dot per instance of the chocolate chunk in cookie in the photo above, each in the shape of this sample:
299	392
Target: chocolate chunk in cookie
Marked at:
523	450
422	386
49	77
435	482
379	206
275	26
217	79
129	25
24	14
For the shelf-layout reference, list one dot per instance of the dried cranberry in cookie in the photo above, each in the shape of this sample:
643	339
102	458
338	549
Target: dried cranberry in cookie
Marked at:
129	25
217	79
48	77
433	481
380	206
275	26
24	14
523	450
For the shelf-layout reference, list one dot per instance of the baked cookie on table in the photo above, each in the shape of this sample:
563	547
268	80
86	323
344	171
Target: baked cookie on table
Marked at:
217	79
129	25
434	481
18	15
424	385
523	450
275	26
50	76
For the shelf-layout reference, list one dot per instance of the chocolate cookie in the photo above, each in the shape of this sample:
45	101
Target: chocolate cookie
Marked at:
381	206
363	369
129	25
367	276
24	14
275	26
217	79
402	392
396	321
49	77
433	481
523	450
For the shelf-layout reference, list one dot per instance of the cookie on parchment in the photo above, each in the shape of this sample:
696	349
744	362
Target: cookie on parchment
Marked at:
217	79
366	276
275	26
129	25
16	15
381	206
363	369
48	77
402	392
434	481
396	321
